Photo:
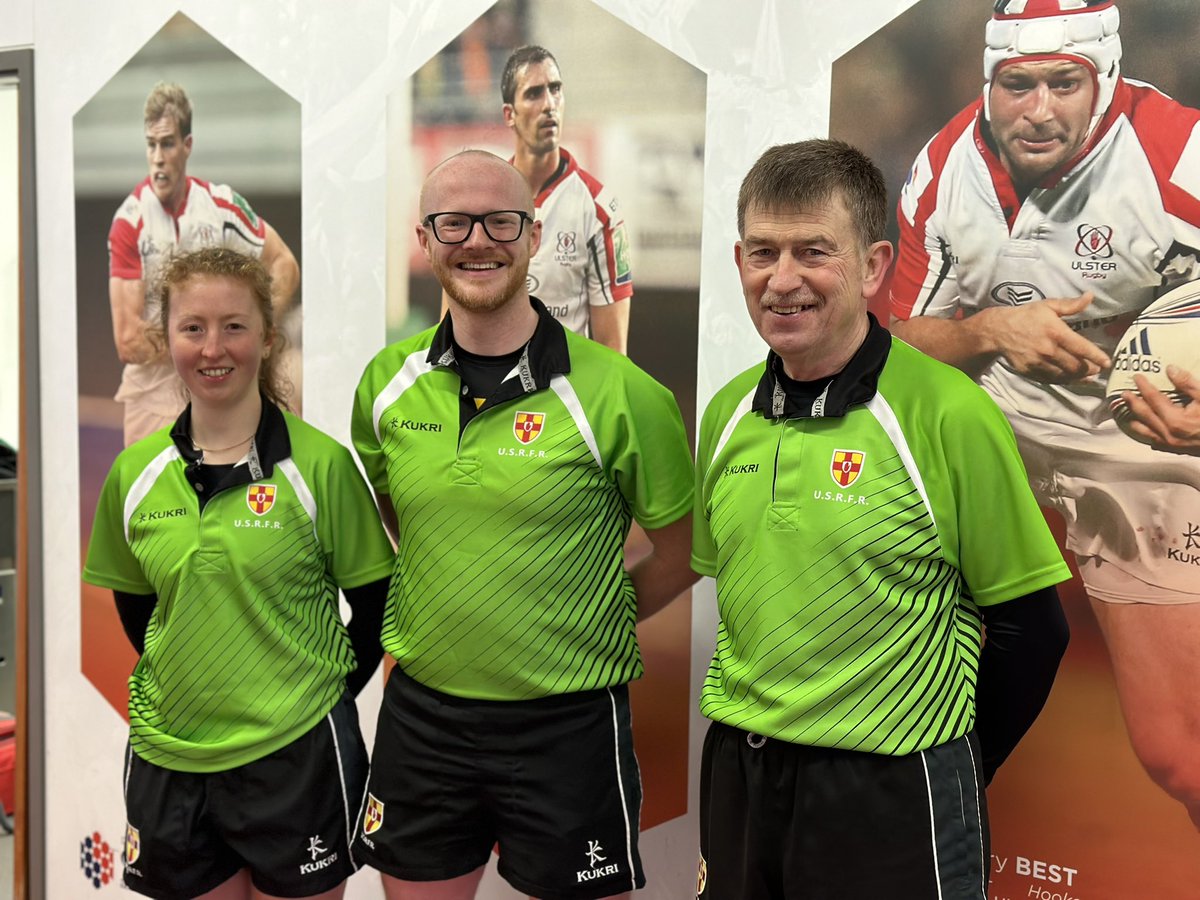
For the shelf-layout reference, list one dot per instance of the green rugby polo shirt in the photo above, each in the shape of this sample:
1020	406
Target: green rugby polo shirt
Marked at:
852	546
510	580
246	649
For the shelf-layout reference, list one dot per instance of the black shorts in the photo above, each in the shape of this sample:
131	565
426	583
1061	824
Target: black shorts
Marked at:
780	820
553	781
284	817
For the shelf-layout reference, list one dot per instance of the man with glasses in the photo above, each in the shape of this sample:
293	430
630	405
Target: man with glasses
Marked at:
510	456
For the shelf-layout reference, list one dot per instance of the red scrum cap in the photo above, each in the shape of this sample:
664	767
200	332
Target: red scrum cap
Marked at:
1081	30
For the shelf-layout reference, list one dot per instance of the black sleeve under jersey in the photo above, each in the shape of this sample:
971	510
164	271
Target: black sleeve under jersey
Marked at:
135	611
1026	639
367	604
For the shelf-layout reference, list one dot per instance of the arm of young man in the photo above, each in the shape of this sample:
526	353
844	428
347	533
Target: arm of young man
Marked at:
1026	639
609	325
127	299
666	572
1033	338
279	261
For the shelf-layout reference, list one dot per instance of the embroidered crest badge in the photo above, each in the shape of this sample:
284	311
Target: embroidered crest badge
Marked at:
133	844
528	425
260	498
373	817
846	466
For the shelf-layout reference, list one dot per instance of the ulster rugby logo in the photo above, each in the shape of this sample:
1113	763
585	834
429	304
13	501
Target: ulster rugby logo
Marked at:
260	498
1095	241
373	818
527	426
845	466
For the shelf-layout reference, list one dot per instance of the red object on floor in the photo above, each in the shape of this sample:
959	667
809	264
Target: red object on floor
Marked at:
8	758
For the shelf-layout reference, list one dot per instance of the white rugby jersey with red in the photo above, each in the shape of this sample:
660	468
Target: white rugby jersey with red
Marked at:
144	236
584	257
1121	220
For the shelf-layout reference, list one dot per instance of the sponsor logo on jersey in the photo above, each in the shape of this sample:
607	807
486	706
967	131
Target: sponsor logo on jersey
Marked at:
397	423
133	844
595	855
317	849
206	235
701	878
1192	542
260	498
1136	356
1014	293
528	425
846	466
373	817
1095	241
152	514
621	253
743	469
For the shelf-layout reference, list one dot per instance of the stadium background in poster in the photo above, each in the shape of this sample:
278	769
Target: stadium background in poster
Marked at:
652	161
1112	833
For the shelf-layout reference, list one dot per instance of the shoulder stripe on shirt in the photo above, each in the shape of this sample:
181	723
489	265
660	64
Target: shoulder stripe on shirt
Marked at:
562	387
145	481
740	410
887	419
300	486
415	365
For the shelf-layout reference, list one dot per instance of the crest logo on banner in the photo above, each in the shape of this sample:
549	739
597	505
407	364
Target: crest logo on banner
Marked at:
96	860
260	498
846	466
373	818
528	425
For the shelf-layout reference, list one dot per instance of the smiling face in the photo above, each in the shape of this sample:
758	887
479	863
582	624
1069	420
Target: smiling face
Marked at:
535	115
1040	111
217	339
807	278
167	152
479	274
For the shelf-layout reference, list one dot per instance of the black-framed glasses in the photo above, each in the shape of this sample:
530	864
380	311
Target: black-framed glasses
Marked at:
503	225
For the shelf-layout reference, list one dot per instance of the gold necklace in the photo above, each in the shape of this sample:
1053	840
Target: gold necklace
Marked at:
217	449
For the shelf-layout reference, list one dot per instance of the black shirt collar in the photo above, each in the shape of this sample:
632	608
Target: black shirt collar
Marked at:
271	444
544	356
778	397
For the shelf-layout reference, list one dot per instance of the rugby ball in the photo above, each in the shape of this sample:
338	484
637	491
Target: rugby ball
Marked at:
1167	332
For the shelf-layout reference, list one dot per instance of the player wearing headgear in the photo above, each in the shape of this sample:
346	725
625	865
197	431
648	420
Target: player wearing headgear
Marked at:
172	212
1050	212
582	271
